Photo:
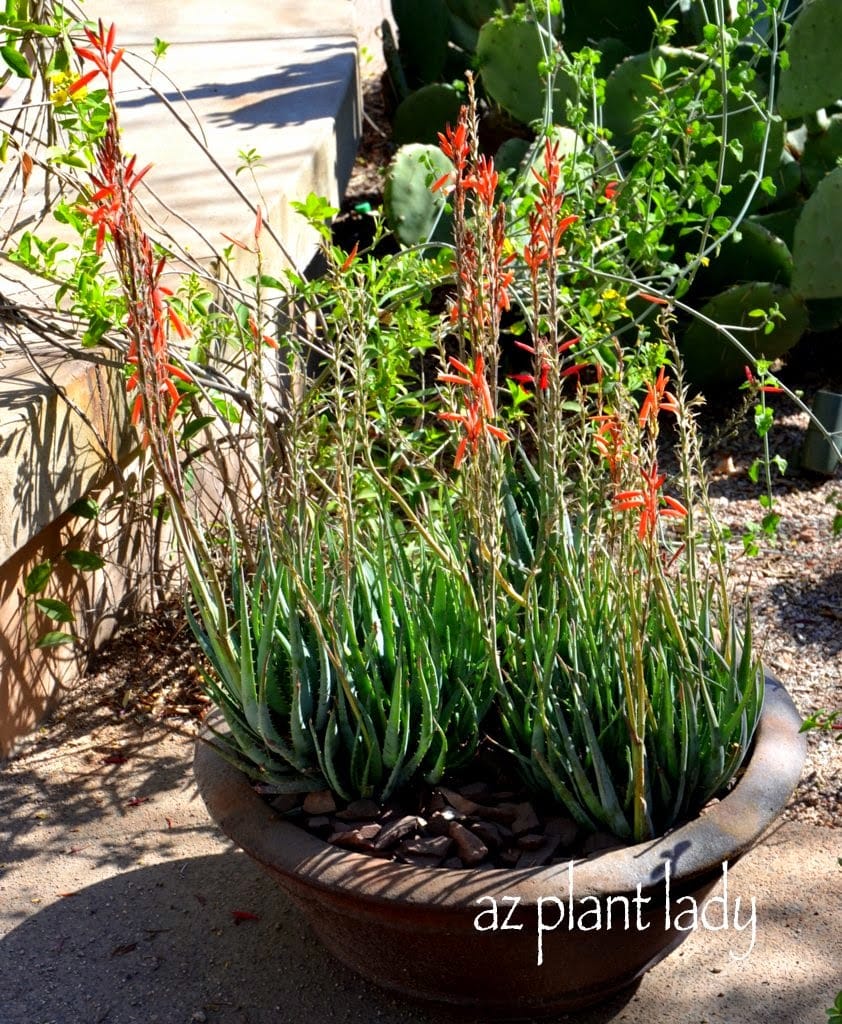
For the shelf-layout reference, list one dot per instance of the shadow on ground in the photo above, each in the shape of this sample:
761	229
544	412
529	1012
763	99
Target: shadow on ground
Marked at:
162	945
43	808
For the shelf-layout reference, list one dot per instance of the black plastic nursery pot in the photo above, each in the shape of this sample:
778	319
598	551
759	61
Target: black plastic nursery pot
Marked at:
508	942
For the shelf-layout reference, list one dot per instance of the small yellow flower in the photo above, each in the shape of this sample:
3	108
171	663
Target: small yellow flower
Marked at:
612	295
61	81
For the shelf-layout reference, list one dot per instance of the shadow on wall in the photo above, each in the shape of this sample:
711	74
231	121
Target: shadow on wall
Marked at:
55	440
293	94
32	678
234	108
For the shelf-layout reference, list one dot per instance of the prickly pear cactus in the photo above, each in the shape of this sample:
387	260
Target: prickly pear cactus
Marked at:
510	156
425	112
628	20
816	250
413	211
473	12
754	255
746	127
822	150
813	78
630	87
709	358
463	35
781	223
509	52
423	35
787	177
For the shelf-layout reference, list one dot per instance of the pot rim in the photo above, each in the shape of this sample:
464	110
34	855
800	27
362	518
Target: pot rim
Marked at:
694	851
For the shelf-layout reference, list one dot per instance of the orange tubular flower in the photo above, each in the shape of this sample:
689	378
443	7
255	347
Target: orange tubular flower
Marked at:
657	399
648	500
255	333
484	181
454	141
476	428
474	380
545	367
656	300
611	190
610	443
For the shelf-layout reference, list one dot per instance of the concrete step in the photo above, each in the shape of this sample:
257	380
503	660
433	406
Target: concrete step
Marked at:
281	81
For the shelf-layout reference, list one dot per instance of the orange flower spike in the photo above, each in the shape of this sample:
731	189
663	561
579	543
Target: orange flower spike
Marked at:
475	427
647	500
657	399
608	442
472	379
349	259
484	182
454	142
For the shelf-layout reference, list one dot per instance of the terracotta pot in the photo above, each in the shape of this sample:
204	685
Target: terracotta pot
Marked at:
418	930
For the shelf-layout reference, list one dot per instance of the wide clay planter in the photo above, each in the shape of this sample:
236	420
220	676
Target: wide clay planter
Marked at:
430	933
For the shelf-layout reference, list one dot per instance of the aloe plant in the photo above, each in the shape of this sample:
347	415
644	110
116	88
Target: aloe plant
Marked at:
360	671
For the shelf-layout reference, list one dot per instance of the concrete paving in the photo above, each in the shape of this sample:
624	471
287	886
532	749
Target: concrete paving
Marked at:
118	901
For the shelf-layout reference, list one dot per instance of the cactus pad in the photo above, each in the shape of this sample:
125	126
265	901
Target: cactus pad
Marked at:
780	223
628	89
425	112
710	358
423	35
816	249
757	255
747	127
629	21
813	79
415	213
821	152
474	12
510	156
508	54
